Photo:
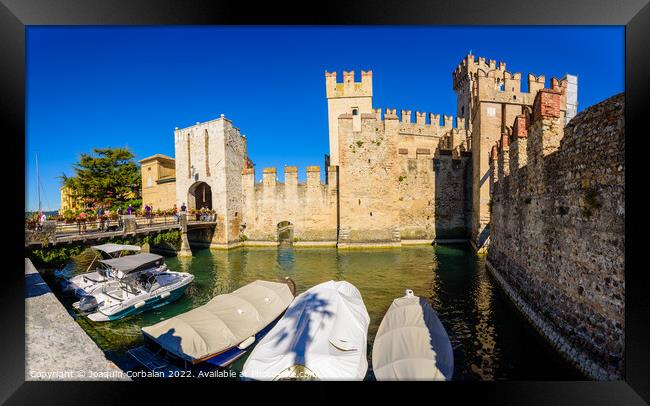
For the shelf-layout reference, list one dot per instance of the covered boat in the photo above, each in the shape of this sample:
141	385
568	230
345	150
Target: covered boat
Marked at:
81	284
138	283
217	333
411	343
322	335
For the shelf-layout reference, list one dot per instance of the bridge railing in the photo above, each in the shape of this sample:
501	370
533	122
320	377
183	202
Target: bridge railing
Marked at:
155	221
62	228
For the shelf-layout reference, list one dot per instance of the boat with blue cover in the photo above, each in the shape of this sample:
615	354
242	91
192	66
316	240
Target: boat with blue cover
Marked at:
216	334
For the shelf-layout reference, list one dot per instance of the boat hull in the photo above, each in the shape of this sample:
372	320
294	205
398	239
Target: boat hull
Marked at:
152	303
168	363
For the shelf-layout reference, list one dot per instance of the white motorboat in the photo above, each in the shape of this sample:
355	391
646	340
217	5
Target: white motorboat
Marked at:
216	334
81	284
412	343
322	336
138	285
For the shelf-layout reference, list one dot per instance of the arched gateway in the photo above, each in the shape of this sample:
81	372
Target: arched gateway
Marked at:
199	196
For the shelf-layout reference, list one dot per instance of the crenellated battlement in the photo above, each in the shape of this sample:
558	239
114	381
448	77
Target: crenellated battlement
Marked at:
270	178
533	137
505	87
425	124
348	88
469	66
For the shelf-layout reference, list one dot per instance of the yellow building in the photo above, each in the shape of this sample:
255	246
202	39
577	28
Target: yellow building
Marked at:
158	181
69	201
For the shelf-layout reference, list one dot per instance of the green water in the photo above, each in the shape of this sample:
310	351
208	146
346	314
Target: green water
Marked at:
491	340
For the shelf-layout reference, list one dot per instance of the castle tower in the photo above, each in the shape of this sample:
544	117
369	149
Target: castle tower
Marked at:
489	98
210	158
348	97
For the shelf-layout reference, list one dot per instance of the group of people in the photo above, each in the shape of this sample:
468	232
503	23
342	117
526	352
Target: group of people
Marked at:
103	219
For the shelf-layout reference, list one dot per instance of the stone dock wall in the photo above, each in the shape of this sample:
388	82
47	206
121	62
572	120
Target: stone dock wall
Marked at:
56	347
557	228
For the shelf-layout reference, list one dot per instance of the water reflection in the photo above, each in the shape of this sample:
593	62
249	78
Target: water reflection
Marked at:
490	339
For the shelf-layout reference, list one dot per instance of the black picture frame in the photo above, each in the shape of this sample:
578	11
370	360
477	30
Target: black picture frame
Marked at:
633	14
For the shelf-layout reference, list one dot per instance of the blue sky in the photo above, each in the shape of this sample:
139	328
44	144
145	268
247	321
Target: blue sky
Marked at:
130	86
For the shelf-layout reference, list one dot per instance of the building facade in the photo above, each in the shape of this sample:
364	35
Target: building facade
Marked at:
158	181
69	201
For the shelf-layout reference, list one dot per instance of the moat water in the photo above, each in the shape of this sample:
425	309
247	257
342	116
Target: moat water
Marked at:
490	338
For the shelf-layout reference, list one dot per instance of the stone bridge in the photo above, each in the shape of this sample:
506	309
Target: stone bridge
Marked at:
53	233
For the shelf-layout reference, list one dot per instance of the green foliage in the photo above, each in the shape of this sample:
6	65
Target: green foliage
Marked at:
359	144
243	237
54	257
109	176
167	239
402	177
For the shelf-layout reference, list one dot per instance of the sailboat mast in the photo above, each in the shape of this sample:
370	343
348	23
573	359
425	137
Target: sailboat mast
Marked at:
38	189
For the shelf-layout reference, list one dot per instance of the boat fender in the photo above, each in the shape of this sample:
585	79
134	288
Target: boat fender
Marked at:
164	295
409	293
139	304
246	343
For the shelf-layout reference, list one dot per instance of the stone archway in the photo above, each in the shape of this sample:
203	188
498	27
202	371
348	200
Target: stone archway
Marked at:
199	195
285	233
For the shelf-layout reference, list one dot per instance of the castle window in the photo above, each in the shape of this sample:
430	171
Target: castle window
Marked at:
149	181
359	202
462	110
355	112
370	214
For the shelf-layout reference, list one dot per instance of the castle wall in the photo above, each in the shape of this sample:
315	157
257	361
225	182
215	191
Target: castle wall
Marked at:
557	229
398	183
432	196
311	206
368	180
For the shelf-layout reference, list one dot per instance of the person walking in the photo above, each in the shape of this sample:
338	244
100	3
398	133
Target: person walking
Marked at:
183	207
100	217
130	210
119	218
107	217
147	212
82	222
176	217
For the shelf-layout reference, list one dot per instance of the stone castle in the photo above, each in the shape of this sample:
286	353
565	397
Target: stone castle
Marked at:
389	180
520	176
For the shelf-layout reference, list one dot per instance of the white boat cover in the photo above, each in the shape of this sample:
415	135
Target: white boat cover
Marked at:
135	262
113	248
411	343
322	334
223	322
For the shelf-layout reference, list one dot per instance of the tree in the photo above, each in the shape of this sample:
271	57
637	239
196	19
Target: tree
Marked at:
107	175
